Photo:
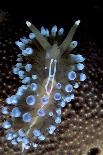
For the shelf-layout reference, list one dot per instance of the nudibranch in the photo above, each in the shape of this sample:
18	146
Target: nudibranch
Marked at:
49	74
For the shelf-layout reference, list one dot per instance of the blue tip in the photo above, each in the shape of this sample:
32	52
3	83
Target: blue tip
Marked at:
28	67
68	88
78	58
61	31
58	85
27	51
50	113
58	111
16	112
21	74
31	100
44	100
26	80
51	129
36	133
41	112
80	66
21	133
62	104
27	117
19	65
57	96
9	135
76	85
16	70
41	138
20	44
58	120
25	140
34	77
34	86
82	77
32	36
14	142
6	125
25	40
5	111
71	75
35	145
43	31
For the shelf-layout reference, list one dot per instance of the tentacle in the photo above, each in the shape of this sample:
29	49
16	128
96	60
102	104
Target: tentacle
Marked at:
42	40
66	43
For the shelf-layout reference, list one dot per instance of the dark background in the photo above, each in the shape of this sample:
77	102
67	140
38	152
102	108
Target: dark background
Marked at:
62	13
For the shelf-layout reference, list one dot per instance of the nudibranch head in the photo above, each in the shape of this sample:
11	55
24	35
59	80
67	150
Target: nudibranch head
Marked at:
49	74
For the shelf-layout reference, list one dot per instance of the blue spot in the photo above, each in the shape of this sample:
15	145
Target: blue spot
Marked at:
4	110
57	96
41	138
26	80
45	100
16	112
30	100
71	75
34	86
27	117
6	125
28	67
58	86
68	88
32	36
58	120
82	77
41	112
51	129
36	133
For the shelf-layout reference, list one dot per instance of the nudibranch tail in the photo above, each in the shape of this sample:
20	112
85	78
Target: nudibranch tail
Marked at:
48	79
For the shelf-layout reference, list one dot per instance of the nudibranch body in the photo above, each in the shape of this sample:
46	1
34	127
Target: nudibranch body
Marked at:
49	73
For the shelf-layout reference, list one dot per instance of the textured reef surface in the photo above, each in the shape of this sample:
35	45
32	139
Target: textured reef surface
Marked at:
50	72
